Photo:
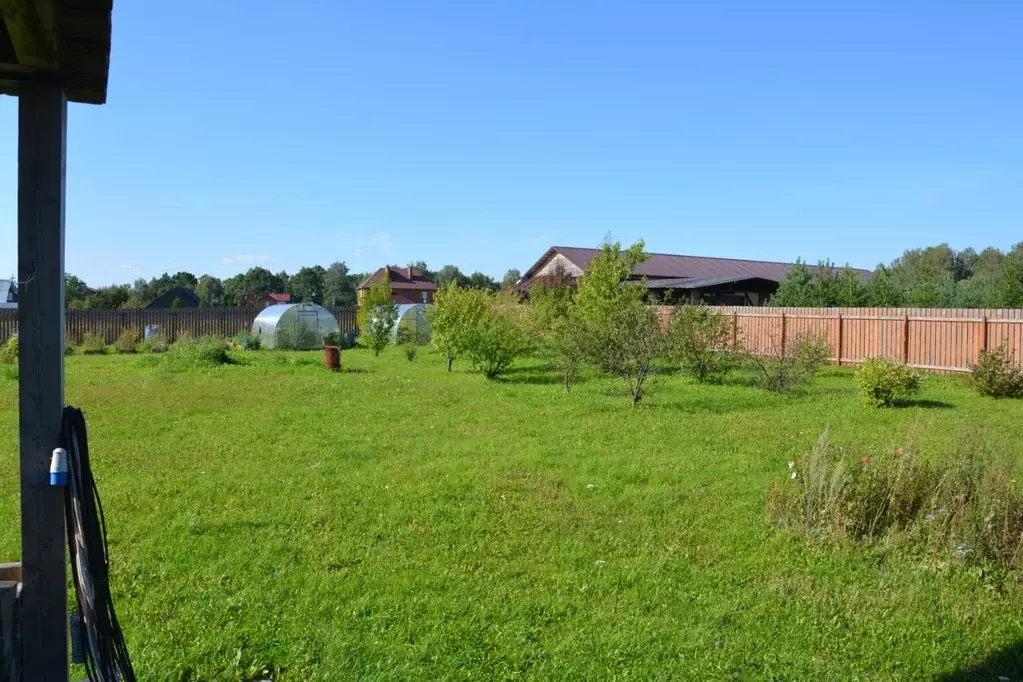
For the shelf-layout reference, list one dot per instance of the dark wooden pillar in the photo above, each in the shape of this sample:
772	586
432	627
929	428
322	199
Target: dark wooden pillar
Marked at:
42	130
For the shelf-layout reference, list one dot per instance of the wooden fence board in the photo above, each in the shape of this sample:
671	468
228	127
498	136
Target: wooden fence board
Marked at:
938	339
173	322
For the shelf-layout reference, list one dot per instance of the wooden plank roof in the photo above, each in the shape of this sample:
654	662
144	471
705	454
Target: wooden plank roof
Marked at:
56	41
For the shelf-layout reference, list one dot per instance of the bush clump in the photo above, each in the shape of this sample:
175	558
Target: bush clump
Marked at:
156	343
206	353
883	382
246	341
411	337
127	341
93	344
968	505
498	337
697	340
996	375
9	351
9	372
794	366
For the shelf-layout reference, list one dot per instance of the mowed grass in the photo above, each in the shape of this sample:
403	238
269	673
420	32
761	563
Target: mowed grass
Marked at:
395	521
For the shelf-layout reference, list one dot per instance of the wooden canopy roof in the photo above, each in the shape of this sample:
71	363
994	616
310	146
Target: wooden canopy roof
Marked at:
56	41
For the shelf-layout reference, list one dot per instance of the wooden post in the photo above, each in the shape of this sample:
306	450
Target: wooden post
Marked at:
905	339
783	333
735	330
42	131
838	353
984	337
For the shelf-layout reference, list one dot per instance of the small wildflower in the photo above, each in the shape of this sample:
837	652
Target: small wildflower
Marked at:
717	644
793	476
591	486
600	562
1003	678
866	460
941	511
899	452
792	465
504	496
929	517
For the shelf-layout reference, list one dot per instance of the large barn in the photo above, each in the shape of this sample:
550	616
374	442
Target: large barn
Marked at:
716	281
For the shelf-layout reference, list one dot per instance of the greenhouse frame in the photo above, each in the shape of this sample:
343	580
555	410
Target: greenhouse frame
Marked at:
294	326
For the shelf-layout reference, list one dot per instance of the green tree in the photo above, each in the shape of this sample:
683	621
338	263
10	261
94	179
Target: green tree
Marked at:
824	285
260	281
499	336
617	332
510	278
882	290
377	315
451	273
454	314
1011	284
479	280
698	340
75	290
235	292
308	284
850	292
210	291
338	288
794	290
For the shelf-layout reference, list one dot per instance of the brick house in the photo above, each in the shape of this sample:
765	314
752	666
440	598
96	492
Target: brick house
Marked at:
408	285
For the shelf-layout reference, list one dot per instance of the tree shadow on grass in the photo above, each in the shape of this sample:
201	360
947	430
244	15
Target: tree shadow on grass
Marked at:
927	404
1003	664
534	378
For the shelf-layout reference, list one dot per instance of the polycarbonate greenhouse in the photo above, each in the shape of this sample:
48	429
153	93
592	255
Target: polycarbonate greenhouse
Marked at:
298	326
412	317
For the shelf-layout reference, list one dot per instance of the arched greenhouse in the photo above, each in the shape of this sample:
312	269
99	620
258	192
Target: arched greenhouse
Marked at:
297	326
412	318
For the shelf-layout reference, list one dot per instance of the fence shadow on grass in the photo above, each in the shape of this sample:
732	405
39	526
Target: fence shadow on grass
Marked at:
1003	664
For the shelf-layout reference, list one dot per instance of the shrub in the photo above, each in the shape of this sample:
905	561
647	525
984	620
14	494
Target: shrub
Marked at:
968	505
207	353
697	340
454	315
127	341
410	337
996	375
332	338
9	352
69	345
156	343
93	344
786	369
9	372
185	338
614	329
883	382
552	333
377	315
498	336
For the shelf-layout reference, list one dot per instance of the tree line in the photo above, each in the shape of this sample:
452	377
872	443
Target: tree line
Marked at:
334	285
932	277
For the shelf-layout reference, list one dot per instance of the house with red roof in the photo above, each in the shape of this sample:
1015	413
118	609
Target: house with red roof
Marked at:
267	300
408	285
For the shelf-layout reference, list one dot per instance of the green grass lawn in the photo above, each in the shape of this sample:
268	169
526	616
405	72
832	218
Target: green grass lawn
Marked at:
395	521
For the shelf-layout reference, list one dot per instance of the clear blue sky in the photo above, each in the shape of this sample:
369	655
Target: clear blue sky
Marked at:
480	133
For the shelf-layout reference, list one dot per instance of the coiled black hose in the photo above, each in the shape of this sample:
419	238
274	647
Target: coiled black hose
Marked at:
106	652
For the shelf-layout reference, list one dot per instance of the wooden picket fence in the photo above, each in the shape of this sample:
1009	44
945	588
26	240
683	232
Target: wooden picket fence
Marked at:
172	322
935	339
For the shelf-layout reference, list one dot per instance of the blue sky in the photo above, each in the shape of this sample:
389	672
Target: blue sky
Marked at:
480	133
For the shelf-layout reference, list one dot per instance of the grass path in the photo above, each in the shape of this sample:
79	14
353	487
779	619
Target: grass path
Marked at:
399	522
